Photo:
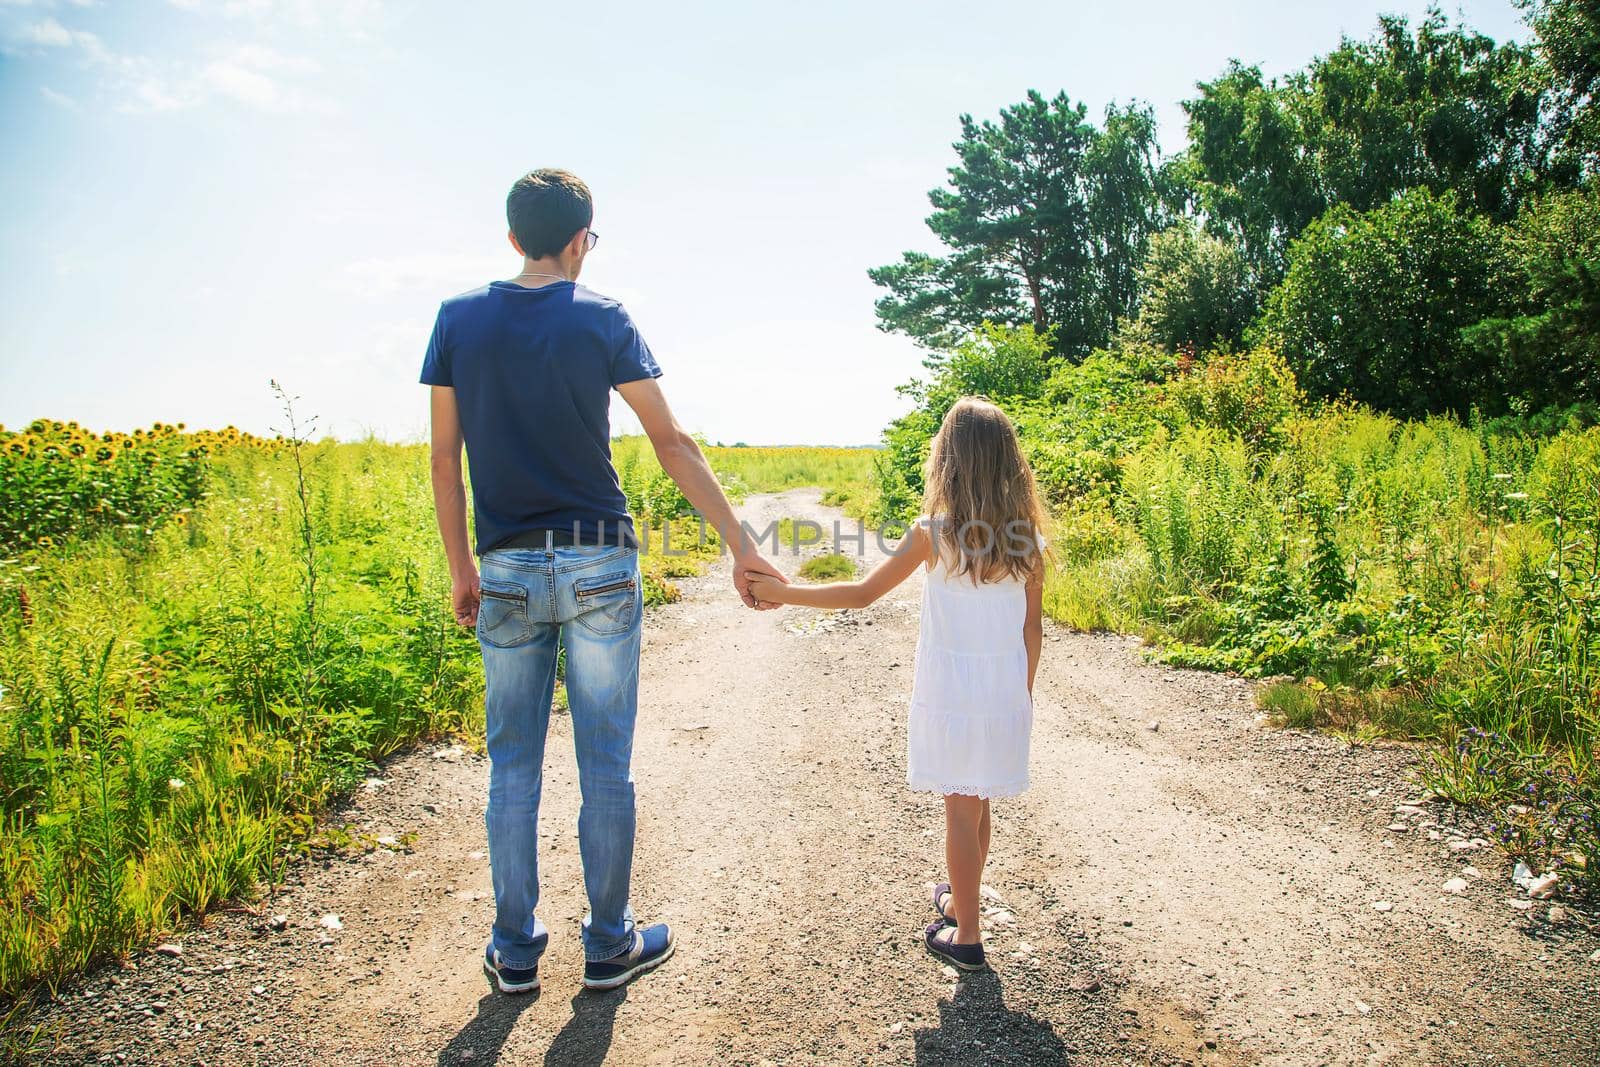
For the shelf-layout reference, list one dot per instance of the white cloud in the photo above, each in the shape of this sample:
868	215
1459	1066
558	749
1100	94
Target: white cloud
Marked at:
243	84
250	74
49	33
61	100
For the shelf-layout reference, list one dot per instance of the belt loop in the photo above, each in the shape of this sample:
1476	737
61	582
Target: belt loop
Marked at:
549	541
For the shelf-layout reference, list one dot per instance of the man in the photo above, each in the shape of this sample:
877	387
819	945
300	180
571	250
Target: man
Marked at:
521	372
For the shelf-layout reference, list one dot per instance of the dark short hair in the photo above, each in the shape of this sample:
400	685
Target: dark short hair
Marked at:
545	208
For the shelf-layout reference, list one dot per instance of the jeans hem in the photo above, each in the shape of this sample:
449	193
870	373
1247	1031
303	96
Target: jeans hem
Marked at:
626	944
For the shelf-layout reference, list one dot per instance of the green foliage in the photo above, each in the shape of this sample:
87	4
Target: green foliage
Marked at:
1549	347
173	712
833	567
58	480
176	709
1442	108
1250	395
1196	292
1419	577
1373	306
1547	813
1047	218
1007	365
1568	43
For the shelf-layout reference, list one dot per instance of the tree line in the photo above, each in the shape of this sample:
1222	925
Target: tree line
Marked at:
1412	220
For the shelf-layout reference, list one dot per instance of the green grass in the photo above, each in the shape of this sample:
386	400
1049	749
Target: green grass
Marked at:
1288	704
180	697
1422	579
834	567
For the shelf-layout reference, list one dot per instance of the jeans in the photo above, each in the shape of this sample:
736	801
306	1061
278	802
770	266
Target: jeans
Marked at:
589	599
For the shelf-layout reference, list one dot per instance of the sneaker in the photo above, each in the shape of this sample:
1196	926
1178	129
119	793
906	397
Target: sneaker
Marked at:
509	979
941	940
652	946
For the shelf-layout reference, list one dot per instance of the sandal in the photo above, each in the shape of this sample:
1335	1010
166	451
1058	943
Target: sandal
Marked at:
961	957
943	890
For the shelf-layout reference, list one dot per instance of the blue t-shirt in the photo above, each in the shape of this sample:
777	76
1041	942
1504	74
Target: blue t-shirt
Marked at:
533	371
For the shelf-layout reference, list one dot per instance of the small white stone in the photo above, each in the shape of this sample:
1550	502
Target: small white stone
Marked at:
1557	914
1456	886
1382	905
389	841
331	921
1471	872
1543	886
1363	1007
1520	905
170	949
1399	827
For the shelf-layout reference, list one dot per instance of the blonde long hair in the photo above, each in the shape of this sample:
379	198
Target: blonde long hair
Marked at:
980	496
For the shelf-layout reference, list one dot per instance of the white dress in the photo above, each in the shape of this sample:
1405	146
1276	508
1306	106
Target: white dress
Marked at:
971	714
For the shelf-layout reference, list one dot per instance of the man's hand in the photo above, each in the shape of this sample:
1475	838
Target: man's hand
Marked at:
464	598
744	564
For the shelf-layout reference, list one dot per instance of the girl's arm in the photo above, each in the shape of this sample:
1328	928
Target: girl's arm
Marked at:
1033	626
911	552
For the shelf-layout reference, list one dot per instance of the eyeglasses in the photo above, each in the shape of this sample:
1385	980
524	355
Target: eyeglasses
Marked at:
591	239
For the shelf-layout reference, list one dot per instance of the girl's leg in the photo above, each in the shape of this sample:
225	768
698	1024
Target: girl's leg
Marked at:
963	817
983	839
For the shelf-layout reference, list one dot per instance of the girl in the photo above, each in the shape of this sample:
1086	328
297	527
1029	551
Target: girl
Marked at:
972	698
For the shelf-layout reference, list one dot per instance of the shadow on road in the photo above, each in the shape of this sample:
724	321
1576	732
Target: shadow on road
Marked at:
975	1027
481	1039
586	1038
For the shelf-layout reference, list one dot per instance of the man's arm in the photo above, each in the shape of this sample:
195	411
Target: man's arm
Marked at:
685	464
450	503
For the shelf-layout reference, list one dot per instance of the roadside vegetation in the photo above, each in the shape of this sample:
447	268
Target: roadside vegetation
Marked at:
207	637
1315	399
833	567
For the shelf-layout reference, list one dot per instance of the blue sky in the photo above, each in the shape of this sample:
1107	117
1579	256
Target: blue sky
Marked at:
202	195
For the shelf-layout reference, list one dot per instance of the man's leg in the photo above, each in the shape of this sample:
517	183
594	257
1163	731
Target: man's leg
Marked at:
519	684
602	642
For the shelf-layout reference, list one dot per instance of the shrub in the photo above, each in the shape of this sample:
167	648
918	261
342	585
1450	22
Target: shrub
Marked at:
1196	293
834	567
1373	306
1250	396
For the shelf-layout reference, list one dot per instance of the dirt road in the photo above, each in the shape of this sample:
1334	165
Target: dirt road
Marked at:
1180	884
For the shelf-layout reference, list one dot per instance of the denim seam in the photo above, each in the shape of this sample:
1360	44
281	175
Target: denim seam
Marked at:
580	564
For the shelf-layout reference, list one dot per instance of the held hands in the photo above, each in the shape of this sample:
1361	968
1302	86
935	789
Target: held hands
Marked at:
766	589
751	567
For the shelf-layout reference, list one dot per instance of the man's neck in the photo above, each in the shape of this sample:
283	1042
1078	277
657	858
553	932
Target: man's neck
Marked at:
546	271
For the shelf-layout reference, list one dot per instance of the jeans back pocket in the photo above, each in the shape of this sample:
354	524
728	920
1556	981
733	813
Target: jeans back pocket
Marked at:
503	614
608	603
